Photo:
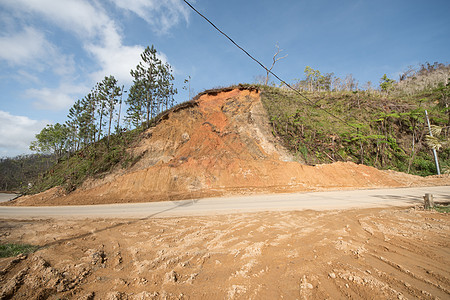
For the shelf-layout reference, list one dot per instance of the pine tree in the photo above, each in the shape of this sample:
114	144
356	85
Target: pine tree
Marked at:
73	124
135	103
87	126
152	89
109	93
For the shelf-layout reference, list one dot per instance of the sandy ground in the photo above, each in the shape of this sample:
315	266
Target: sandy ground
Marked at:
391	253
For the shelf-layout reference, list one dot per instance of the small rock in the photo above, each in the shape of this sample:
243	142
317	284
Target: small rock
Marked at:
332	275
185	136
172	276
346	285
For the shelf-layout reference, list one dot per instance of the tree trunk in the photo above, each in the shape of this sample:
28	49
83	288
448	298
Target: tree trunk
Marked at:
109	128
148	112
100	129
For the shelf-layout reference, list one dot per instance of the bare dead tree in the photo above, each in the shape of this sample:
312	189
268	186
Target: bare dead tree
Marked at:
275	59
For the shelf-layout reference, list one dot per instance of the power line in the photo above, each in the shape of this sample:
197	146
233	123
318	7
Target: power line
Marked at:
312	103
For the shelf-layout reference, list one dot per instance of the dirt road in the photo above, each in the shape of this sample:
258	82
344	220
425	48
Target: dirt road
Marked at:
254	203
6	197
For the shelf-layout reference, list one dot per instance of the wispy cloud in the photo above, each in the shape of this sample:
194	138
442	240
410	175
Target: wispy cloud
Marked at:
30	48
16	133
161	15
99	36
56	99
117	61
22	47
85	19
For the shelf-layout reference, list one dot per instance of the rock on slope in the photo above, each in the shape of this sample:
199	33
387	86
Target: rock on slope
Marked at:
220	143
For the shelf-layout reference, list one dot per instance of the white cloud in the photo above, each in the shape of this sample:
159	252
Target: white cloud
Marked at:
98	33
161	15
78	16
56	99
116	61
30	48
25	76
16	133
22	47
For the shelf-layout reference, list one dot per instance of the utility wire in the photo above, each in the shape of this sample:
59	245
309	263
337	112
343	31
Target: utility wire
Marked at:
312	103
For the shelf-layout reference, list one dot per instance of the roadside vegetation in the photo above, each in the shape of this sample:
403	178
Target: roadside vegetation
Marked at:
442	208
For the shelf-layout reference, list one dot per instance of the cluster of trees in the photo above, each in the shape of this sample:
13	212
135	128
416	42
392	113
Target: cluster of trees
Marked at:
315	81
97	115
427	76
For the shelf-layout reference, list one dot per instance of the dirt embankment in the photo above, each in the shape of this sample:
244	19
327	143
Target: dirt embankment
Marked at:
220	144
355	254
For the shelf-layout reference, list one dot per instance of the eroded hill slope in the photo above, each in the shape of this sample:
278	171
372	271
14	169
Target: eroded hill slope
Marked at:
220	143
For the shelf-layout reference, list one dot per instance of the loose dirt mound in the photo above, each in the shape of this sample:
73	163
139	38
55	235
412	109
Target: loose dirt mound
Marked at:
218	144
354	254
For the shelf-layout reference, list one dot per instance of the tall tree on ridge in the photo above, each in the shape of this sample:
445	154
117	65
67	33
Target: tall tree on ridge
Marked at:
109	93
152	87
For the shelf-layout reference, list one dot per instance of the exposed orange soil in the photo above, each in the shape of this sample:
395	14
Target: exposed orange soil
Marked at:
220	145
395	253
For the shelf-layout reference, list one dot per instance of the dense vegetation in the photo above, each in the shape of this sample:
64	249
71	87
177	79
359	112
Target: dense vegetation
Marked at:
382	128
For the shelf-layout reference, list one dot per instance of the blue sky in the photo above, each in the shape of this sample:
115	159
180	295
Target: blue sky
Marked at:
52	52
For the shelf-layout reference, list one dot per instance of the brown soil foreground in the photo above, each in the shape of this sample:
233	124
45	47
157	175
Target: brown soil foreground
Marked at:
395	253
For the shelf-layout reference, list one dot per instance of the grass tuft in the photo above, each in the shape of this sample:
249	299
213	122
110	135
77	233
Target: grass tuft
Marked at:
8	250
442	208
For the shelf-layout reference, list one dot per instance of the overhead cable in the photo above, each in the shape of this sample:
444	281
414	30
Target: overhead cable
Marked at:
312	103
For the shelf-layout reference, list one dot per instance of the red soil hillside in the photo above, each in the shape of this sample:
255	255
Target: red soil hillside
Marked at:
218	144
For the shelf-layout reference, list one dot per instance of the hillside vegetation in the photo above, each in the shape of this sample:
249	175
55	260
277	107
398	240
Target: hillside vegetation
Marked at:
377	130
385	129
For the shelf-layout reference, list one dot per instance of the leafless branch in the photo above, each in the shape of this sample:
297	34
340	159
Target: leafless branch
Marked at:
275	59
